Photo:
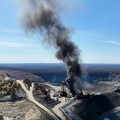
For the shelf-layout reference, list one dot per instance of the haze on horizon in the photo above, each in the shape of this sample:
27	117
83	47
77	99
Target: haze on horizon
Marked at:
96	32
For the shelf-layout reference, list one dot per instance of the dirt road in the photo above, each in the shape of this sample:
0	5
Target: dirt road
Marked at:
32	99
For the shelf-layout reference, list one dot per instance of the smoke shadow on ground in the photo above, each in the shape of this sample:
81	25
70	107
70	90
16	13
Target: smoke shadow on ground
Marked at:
7	98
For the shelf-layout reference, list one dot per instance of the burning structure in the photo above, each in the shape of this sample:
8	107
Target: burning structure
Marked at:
41	17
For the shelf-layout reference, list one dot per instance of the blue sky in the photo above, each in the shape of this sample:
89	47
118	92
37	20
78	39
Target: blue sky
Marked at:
95	26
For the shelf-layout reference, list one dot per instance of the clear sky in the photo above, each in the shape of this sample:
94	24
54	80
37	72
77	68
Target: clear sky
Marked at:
95	25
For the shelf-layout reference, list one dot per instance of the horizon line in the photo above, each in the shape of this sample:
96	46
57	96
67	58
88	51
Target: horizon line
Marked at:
49	63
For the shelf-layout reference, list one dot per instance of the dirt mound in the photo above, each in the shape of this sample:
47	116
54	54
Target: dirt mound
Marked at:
95	106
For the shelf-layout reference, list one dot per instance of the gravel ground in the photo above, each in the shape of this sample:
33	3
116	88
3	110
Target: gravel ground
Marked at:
22	110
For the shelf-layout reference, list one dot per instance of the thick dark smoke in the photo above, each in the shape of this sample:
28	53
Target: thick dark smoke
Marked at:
41	16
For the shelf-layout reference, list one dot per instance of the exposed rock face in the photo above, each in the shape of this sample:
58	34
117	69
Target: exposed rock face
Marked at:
22	110
101	88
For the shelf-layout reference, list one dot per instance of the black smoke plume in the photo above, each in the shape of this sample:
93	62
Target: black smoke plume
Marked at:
41	16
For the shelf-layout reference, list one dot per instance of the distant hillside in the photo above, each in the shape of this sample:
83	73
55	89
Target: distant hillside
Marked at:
56	73
17	75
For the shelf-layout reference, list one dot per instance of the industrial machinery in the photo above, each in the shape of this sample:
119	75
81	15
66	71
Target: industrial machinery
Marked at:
63	93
